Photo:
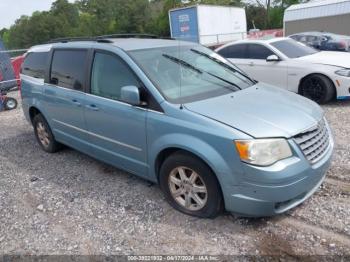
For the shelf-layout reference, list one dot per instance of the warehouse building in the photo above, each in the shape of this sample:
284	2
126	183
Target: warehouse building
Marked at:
327	15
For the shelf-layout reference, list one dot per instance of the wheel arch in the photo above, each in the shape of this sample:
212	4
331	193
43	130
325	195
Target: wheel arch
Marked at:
167	152
163	147
33	111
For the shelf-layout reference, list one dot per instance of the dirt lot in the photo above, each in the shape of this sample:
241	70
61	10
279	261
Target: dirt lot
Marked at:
69	203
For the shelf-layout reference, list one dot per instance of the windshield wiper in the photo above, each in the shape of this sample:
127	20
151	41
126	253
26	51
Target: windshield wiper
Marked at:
188	65
182	62
224	80
221	63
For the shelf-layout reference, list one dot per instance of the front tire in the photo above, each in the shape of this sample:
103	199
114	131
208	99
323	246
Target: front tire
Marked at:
10	103
190	186
44	135
318	88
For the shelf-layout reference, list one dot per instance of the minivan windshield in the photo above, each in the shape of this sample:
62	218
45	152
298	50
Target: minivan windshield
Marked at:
293	49
188	73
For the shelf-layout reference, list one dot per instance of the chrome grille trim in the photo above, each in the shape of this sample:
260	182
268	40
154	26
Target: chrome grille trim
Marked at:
315	142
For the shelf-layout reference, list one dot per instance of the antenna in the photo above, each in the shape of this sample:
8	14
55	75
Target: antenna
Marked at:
179	54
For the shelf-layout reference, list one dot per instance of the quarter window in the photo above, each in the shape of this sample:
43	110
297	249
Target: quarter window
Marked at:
68	67
34	65
258	51
109	75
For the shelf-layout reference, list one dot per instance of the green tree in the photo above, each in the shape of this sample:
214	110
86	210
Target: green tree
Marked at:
159	23
99	17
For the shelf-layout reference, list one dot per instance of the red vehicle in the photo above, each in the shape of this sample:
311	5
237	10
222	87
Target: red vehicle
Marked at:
9	103
265	34
16	64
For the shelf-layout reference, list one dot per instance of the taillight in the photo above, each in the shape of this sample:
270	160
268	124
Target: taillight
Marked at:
342	44
19	84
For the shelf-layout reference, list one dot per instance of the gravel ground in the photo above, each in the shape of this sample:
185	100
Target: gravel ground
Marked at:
69	203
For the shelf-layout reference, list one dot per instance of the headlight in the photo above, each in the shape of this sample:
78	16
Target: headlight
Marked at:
343	72
263	152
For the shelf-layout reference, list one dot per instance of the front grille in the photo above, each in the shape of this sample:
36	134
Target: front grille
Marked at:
314	142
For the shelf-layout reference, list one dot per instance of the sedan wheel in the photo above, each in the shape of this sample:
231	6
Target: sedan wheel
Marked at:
317	88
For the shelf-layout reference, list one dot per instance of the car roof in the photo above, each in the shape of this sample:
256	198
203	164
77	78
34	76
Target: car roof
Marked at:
127	44
316	33
313	33
266	41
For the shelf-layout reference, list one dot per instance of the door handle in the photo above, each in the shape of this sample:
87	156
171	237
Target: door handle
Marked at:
76	102
92	107
251	64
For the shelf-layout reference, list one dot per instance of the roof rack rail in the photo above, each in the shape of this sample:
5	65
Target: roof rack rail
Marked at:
127	36
71	39
102	38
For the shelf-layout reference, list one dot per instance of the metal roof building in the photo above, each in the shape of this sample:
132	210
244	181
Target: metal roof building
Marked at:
326	15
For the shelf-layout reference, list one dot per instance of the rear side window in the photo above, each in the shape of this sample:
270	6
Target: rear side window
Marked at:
311	38
234	51
35	64
303	38
258	51
68	68
109	75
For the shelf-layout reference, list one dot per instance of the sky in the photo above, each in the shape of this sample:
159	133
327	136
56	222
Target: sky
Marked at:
10	10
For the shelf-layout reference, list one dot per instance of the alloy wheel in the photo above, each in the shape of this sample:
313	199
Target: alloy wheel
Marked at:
314	89
43	135
188	188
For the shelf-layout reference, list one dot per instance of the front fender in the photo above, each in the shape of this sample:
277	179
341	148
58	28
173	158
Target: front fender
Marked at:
197	147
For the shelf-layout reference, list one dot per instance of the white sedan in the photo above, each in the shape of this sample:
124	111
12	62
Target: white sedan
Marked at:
286	63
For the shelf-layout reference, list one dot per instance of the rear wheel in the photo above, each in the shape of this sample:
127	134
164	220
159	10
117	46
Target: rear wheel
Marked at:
190	186
318	88
10	103
44	135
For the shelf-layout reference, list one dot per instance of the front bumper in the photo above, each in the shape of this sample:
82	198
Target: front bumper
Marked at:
342	85
281	187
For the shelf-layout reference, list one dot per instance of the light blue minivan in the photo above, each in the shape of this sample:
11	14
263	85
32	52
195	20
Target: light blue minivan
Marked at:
178	114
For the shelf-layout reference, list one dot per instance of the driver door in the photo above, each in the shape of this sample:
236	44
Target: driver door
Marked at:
117	130
274	72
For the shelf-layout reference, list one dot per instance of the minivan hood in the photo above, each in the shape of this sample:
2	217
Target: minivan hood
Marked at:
261	111
340	59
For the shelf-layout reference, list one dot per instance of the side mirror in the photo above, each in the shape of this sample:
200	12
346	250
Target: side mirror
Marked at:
130	95
273	58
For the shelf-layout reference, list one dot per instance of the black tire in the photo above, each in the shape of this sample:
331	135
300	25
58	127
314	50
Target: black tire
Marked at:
214	202
52	145
10	103
318	88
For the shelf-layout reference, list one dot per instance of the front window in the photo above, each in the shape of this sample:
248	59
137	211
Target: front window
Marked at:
293	49
189	73
109	75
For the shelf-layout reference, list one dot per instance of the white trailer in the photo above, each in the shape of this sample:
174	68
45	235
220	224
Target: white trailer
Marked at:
208	24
